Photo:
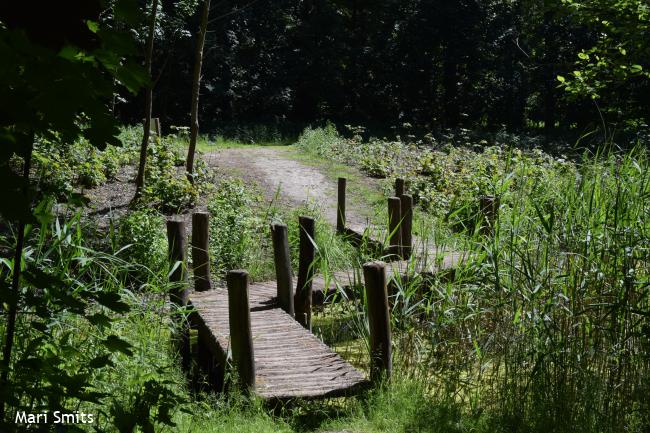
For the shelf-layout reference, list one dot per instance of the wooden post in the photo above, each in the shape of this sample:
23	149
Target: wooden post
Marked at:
241	337
406	228
282	259
394	220
179	295
157	127
400	188
381	366
200	254
489	212
305	272
177	253
340	209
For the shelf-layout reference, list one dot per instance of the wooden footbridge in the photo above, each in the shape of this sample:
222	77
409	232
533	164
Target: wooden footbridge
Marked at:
264	329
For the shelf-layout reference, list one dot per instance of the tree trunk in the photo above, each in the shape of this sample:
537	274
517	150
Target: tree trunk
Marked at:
15	290
148	102
196	90
550	58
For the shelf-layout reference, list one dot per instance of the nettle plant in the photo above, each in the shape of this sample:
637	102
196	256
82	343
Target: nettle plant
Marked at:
167	187
59	170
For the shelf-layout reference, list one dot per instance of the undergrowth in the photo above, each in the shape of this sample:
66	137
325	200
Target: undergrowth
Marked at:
542	327
547	319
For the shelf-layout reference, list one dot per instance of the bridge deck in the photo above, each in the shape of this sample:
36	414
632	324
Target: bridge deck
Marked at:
290	362
425	264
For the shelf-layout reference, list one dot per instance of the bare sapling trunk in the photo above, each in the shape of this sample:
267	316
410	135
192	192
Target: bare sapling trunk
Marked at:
12	312
148	102
196	90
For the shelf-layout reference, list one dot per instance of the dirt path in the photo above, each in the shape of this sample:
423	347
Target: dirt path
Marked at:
276	172
275	169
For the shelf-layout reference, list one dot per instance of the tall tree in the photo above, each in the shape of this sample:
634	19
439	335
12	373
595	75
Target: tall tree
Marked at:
49	90
148	102
614	71
196	90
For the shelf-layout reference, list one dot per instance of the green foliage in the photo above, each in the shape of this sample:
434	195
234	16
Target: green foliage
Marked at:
478	64
60	170
527	329
56	77
141	240
238	235
618	61
405	406
95	346
55	90
167	187
446	177
67	287
232	414
146	394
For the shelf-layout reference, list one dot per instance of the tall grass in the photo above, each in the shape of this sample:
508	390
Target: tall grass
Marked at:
569	265
545	324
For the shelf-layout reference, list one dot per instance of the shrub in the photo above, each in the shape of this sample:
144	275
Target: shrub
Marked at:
141	237
319	140
237	235
55	175
447	175
60	169
167	187
89	166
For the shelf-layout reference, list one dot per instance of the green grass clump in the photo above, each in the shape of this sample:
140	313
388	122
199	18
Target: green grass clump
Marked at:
239	232
140	239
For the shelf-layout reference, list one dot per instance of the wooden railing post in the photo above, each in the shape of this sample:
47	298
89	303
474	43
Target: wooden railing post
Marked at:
381	366
241	337
200	254
400	187
155	126
177	242
282	258
406	228
340	208
394	231
489	212
305	272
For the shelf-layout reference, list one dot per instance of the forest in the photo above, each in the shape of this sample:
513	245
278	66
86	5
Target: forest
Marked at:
327	216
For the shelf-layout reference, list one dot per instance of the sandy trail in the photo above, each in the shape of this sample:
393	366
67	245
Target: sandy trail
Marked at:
294	183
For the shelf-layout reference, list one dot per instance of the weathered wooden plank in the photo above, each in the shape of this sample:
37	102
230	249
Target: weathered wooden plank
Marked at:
324	288
290	362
